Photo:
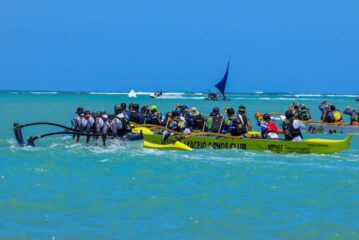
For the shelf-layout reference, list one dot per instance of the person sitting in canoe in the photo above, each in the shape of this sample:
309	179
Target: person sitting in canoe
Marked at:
135	116
291	128
145	112
304	113
245	124
214	121
195	120
233	124
181	108
124	110
268	128
354	116
329	113
177	123
154	117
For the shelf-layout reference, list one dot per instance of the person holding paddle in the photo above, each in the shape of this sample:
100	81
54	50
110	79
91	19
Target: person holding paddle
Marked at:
291	128
354	116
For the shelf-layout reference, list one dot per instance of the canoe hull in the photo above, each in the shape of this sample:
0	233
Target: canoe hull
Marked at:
317	146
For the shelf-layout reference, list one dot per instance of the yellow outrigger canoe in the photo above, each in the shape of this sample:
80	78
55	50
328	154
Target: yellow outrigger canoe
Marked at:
317	146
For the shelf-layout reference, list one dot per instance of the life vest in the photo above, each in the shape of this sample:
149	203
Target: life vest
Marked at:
304	115
178	125
237	125
337	116
216	123
198	121
153	118
289	131
271	127
242	124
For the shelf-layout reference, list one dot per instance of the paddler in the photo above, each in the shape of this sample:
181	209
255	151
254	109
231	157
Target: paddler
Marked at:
268	128
135	116
145	112
76	122
155	117
88	123
329	113
354	116
120	123
231	126
124	110
291	128
103	126
304	113
195	120
214	121
245	124
177	123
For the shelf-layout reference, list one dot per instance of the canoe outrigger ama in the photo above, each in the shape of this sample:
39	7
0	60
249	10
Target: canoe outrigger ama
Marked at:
318	146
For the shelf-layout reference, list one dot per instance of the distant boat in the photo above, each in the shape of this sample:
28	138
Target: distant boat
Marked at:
221	86
157	94
132	94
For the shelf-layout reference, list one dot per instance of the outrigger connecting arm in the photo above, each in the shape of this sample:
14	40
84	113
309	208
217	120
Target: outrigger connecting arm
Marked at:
30	141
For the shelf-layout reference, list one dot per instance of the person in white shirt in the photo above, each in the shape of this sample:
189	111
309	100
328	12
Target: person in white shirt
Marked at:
292	128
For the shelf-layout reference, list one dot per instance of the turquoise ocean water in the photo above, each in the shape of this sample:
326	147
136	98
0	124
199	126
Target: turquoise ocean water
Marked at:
63	190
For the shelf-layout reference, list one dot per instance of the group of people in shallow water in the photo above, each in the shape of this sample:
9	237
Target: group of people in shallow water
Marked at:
330	114
187	120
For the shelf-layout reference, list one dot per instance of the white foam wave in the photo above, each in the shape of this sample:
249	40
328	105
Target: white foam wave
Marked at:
173	94
337	95
180	97
107	93
43	92
286	99
144	93
307	95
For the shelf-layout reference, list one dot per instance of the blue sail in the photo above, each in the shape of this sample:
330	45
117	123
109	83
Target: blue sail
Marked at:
221	86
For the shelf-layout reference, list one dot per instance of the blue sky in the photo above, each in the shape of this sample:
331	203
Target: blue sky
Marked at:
296	46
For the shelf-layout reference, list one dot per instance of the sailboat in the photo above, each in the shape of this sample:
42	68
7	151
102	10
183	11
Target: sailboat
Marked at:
221	86
132	94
